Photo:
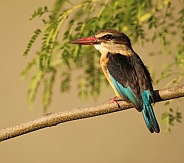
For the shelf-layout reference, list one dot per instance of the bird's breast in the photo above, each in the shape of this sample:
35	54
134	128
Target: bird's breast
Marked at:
103	63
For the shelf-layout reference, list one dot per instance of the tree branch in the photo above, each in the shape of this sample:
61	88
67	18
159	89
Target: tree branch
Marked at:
53	119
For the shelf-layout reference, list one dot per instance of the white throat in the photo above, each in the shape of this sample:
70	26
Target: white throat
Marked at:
101	48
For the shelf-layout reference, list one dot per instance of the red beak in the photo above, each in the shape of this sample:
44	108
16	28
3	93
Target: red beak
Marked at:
85	41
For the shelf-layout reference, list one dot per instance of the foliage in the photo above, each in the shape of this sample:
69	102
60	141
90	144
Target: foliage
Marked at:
143	21
170	116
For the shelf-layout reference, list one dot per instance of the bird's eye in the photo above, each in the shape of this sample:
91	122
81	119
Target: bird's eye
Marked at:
108	37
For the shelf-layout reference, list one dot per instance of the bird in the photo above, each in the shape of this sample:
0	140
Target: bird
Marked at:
125	71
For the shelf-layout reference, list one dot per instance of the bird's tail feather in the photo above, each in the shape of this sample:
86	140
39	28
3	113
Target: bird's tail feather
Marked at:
148	113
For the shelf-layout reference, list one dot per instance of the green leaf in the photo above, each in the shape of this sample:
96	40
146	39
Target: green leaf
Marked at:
48	89
65	81
37	32
27	70
39	12
34	85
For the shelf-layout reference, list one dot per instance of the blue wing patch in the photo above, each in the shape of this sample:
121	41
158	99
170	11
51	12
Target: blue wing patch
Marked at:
125	92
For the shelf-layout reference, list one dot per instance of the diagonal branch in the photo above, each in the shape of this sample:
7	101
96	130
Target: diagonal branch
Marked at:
53	119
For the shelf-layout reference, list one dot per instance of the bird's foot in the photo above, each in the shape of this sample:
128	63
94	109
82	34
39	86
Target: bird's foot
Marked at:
115	100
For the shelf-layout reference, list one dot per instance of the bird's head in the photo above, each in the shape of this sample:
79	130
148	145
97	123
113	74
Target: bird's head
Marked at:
106	40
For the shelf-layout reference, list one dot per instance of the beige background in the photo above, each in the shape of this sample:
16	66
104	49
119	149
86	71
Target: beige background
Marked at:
114	138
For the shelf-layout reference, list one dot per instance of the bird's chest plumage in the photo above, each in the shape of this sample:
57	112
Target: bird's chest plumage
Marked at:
103	63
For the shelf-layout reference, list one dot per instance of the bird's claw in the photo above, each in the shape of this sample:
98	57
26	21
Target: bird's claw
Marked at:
115	100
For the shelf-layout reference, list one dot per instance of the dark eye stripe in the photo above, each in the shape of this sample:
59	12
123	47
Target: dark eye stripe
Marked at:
107	37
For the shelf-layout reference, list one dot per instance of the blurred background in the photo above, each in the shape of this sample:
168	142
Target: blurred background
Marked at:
113	138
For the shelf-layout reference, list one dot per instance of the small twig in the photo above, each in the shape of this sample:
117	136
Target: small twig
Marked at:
53	119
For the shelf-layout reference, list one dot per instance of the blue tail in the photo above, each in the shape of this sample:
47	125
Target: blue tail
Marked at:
148	113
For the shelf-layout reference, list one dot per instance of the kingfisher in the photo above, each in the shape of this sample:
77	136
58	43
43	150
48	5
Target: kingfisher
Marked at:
125	71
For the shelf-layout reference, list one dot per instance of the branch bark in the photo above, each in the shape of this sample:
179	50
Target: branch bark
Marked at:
53	119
